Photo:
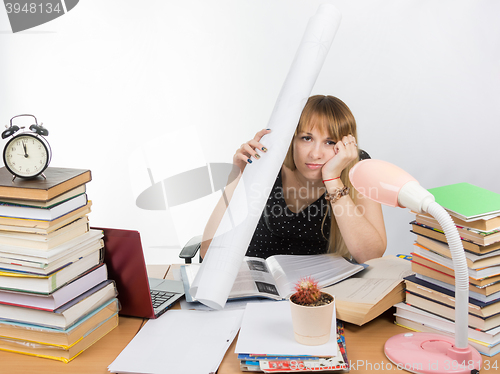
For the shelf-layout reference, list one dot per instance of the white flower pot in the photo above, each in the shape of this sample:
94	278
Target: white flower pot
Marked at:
312	324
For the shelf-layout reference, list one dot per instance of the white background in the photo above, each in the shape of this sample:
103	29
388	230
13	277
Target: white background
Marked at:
126	85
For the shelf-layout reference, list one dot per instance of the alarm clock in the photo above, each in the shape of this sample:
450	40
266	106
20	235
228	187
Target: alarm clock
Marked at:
27	154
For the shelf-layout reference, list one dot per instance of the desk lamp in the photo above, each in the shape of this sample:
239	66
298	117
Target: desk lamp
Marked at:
422	352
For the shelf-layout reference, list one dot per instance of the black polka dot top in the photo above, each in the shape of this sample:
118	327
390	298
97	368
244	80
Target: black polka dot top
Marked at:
281	231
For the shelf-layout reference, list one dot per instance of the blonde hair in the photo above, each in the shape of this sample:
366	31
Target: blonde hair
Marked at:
334	117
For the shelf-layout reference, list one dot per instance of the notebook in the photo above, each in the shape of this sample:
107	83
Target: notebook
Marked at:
467	202
124	259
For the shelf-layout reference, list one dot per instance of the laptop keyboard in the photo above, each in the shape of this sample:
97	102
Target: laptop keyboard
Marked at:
160	297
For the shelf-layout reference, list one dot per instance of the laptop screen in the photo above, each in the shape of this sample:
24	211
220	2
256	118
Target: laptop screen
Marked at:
124	259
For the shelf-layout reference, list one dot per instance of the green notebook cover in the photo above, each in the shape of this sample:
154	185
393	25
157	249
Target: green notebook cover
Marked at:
467	201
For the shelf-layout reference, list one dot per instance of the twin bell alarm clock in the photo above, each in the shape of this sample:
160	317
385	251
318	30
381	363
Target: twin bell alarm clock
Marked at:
27	153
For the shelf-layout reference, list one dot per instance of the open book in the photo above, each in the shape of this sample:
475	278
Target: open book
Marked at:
367	295
276	276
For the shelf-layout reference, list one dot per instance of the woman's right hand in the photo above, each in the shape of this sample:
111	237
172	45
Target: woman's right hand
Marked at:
250	150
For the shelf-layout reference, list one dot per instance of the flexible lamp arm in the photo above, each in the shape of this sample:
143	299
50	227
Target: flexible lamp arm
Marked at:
412	195
461	272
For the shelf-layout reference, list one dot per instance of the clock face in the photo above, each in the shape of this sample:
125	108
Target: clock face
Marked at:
26	156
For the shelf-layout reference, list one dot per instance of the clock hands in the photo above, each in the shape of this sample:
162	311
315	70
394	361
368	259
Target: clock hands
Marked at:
25	150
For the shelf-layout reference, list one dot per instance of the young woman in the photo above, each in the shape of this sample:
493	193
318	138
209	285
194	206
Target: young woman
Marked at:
312	207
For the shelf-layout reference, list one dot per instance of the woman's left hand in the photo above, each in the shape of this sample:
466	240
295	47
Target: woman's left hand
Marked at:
346	151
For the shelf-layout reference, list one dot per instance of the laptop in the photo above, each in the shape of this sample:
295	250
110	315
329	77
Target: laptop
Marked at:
139	295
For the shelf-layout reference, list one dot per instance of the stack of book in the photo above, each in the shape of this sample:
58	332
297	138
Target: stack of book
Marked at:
285	364
55	298
264	349
430	302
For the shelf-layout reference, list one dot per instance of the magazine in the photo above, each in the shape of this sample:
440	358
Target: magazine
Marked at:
276	276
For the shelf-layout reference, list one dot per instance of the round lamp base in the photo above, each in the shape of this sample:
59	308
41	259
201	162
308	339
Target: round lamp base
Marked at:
431	353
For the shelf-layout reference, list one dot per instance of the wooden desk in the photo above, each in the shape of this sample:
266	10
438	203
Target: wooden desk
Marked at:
364	349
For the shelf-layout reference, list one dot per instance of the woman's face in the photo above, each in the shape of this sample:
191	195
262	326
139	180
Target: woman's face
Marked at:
312	148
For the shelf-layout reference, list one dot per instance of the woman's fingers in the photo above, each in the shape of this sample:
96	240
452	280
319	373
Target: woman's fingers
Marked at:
257	146
349	140
250	150
261	133
348	145
346	151
242	158
346	148
254	147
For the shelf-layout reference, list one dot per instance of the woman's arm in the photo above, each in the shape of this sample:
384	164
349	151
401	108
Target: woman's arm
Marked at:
362	223
218	213
246	154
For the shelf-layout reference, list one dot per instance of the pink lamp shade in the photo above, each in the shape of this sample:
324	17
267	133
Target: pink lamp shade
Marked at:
379	180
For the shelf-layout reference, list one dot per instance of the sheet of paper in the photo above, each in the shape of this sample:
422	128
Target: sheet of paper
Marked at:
180	342
228	247
267	329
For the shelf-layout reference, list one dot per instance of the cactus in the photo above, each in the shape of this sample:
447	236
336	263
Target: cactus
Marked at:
306	291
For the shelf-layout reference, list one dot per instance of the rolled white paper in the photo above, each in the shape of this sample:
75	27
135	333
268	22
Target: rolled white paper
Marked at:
229	245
